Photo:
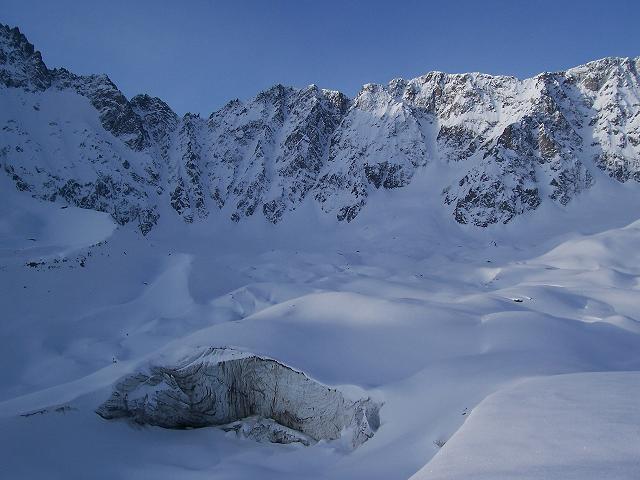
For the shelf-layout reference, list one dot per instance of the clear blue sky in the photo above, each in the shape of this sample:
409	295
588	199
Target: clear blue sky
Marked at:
198	54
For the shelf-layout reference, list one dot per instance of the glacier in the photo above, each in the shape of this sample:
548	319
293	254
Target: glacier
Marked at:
219	386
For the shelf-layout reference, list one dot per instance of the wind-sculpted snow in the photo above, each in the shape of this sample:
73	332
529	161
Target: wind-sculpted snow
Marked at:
507	145
591	418
221	386
428	317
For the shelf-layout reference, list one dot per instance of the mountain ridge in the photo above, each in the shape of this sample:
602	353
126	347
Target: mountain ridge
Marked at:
513	144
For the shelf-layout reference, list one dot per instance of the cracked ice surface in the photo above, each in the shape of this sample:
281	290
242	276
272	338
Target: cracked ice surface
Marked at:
219	386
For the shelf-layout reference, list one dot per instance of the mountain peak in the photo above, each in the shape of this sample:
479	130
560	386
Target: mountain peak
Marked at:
20	64
507	145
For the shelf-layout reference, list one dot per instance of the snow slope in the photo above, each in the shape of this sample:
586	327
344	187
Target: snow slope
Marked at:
426	317
580	426
47	225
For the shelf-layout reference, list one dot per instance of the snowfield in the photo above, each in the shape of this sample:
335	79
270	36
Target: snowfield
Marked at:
578	426
474	341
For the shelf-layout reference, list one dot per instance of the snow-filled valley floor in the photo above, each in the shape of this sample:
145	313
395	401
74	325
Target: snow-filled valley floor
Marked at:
506	352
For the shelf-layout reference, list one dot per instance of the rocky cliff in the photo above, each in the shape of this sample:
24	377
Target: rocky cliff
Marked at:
510	144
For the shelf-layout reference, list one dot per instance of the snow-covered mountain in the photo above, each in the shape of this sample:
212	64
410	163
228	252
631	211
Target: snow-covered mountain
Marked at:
505	145
376	332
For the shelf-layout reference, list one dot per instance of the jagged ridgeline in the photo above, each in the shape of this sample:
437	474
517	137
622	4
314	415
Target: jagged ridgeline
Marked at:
510	144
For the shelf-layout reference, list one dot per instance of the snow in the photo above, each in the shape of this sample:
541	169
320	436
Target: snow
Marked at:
580	426
31	227
502	146
415	312
516	346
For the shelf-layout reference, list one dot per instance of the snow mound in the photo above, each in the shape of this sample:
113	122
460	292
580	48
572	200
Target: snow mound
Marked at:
618	249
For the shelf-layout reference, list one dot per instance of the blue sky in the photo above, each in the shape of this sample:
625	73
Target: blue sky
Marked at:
198	54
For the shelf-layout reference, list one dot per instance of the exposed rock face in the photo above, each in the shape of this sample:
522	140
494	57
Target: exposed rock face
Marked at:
116	113
188	197
21	66
158	121
222	386
611	90
51	147
378	145
266	155
513	144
